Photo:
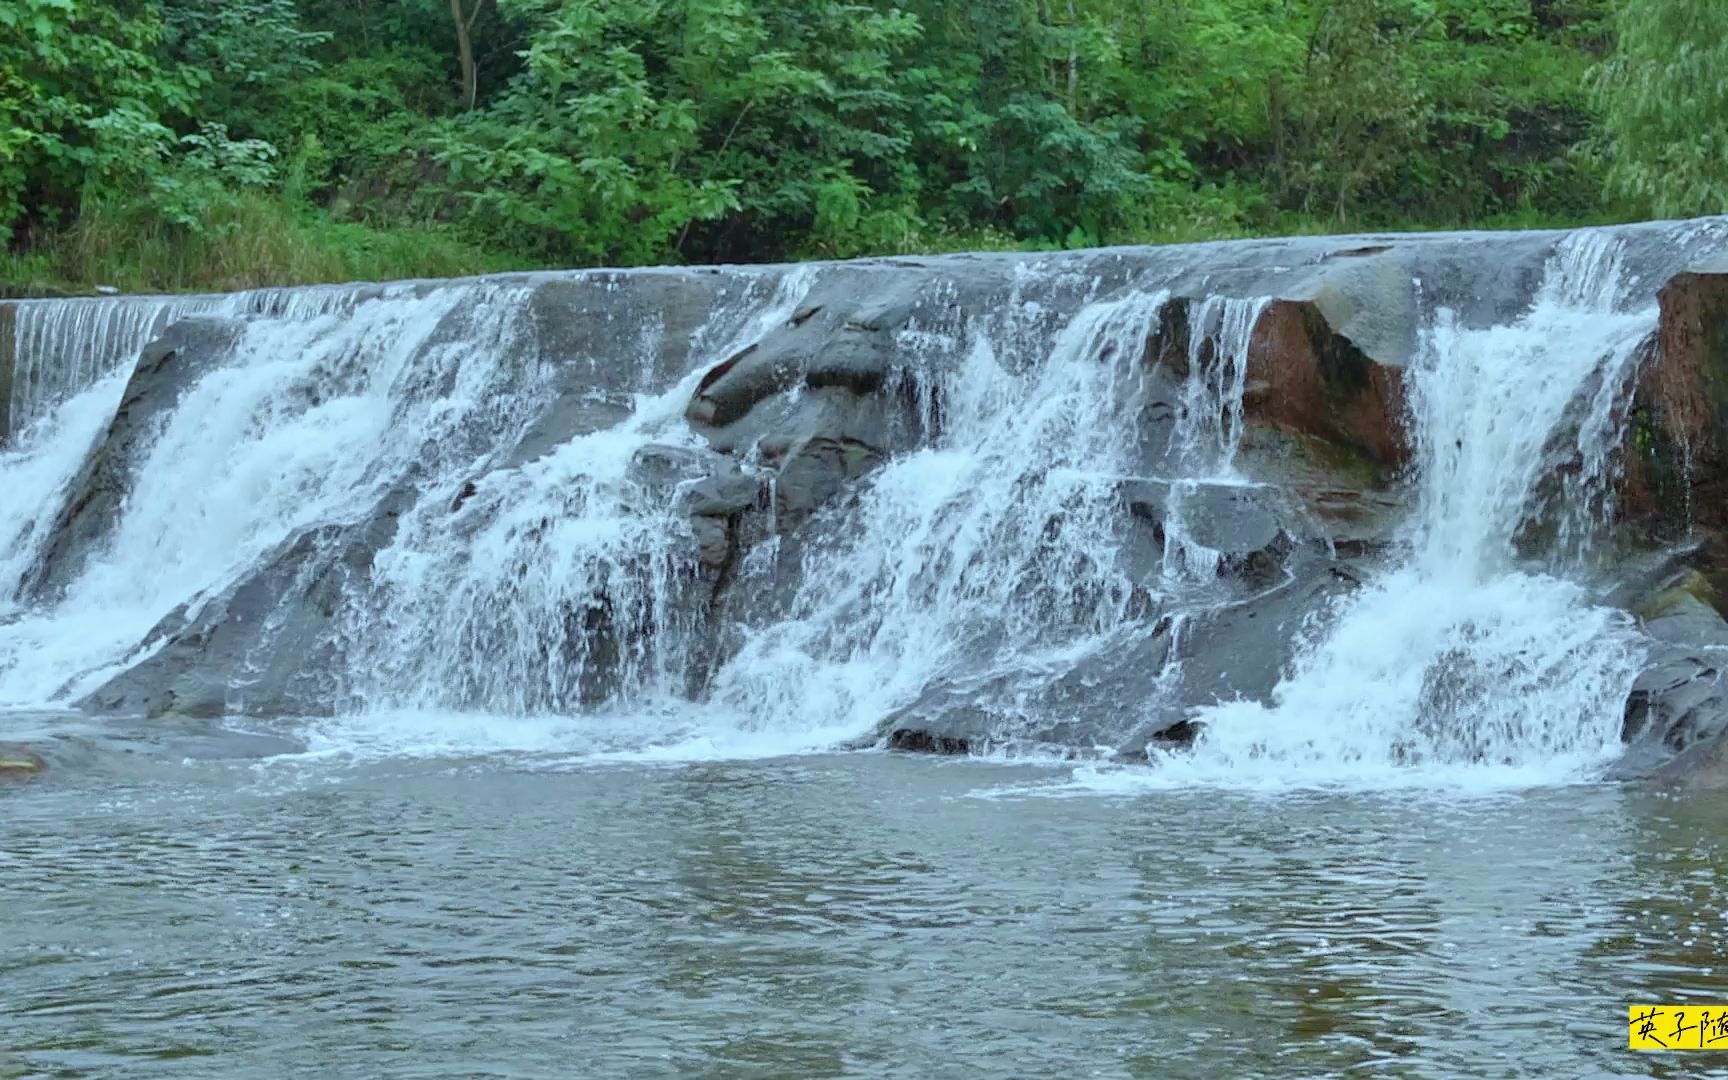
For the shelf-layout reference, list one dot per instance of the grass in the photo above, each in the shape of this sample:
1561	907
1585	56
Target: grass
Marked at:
254	240
247	242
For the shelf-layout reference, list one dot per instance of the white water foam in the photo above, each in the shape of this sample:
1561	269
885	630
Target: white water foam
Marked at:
35	469
990	555
992	552
310	420
976	572
503	606
63	346
1466	660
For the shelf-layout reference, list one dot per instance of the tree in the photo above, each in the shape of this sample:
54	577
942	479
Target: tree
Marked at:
646	131
83	93
464	23
1664	98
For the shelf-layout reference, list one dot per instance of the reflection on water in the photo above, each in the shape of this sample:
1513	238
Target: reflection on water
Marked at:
843	916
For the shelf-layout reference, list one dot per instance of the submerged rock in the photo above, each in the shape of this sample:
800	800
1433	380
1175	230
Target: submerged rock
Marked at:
922	742
20	763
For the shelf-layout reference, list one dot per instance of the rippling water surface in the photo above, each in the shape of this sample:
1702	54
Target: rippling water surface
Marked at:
164	912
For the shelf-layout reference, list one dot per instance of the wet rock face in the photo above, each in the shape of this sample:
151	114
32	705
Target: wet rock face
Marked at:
1326	418
261	647
1674	491
1306	377
1677	711
787	431
1678	427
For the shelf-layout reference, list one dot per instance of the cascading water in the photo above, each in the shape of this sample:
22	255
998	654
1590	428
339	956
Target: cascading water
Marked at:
63	346
1209	424
1466	653
982	566
316	414
1029	568
504	604
35	470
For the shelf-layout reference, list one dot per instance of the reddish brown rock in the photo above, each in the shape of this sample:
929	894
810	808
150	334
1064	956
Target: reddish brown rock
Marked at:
1306	378
1675	481
1326	419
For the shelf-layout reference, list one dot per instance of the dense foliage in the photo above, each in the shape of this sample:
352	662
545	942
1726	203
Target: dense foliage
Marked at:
1665	105
173	143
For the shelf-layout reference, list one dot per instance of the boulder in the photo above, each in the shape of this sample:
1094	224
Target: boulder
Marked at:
841	337
920	742
1677	710
1139	692
1324	417
600	339
1247	525
1241	648
1306	377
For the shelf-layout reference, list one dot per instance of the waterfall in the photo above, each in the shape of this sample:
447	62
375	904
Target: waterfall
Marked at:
480	492
1209	424
505	603
1466	652
63	346
316	414
35	470
981	567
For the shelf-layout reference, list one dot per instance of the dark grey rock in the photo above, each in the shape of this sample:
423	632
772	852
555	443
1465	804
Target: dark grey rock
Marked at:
1244	523
263	647
731	492
797	417
184	353
1677	710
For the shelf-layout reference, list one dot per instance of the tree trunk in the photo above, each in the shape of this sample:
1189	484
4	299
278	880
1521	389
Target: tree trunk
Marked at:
1073	61
465	50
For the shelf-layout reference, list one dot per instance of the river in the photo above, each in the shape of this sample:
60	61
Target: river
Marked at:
1277	605
174	913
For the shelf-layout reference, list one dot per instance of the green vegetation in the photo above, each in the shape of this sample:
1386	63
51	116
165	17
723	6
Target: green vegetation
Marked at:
179	144
1664	98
